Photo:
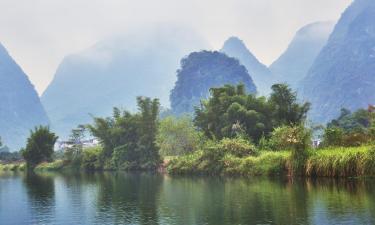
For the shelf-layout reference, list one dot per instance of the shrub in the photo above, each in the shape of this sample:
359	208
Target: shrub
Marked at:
92	158
333	136
290	137
177	136
238	147
355	139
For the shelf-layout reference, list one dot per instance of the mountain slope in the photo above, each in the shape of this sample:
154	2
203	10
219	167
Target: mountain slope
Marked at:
20	107
343	74
292	66
201	71
262	76
115	71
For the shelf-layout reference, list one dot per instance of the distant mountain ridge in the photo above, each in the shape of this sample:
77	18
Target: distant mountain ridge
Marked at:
261	75
292	66
343	74
201	71
20	106
114	72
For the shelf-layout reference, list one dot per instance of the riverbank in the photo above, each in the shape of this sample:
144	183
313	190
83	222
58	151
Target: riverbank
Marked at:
327	162
16	166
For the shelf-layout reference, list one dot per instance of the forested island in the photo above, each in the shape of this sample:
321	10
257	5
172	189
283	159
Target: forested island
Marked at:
230	133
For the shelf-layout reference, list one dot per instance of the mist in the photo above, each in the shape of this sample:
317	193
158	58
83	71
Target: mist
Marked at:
40	33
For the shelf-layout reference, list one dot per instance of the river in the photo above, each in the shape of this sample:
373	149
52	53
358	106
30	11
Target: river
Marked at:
145	198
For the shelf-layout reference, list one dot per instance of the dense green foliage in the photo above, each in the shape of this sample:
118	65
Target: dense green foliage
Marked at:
201	71
177	136
39	146
239	156
351	129
285	108
128	139
352	122
230	111
212	158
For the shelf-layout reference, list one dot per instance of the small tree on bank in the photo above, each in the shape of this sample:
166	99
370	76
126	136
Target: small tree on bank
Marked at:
73	154
39	146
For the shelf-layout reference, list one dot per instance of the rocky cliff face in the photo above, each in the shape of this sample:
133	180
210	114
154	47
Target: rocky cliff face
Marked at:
201	71
343	74
114	72
262	76
292	66
20	107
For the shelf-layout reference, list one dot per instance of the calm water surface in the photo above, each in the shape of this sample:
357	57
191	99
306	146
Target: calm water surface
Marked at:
123	198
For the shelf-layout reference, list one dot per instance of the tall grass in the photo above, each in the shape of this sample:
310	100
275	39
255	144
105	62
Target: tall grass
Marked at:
266	163
328	162
51	166
12	167
341	162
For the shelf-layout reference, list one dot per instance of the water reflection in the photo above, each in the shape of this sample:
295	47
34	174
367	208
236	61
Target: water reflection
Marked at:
143	198
41	194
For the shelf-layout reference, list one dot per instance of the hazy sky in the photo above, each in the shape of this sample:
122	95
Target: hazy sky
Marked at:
39	33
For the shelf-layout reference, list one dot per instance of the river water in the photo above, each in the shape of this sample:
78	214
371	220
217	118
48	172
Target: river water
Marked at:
144	198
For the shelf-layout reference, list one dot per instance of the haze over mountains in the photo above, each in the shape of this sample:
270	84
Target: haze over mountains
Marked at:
262	76
115	71
331	66
20	107
343	74
292	66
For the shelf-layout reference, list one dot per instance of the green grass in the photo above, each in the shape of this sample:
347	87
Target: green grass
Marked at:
266	163
50	166
341	162
12	167
328	162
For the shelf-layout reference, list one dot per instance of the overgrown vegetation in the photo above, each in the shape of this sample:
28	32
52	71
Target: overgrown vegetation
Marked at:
282	141
233	120
351	129
178	136
230	111
232	133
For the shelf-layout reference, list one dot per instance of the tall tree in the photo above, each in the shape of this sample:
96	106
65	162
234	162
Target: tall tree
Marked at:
229	110
129	139
285	108
39	146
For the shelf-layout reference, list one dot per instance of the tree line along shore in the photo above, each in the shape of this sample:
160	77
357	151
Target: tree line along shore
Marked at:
231	133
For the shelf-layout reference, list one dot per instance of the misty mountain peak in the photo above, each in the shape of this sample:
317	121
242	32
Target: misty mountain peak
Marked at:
293	64
114	71
262	76
20	107
342	75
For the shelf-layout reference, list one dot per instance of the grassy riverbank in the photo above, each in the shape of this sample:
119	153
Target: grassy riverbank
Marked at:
12	166
329	162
